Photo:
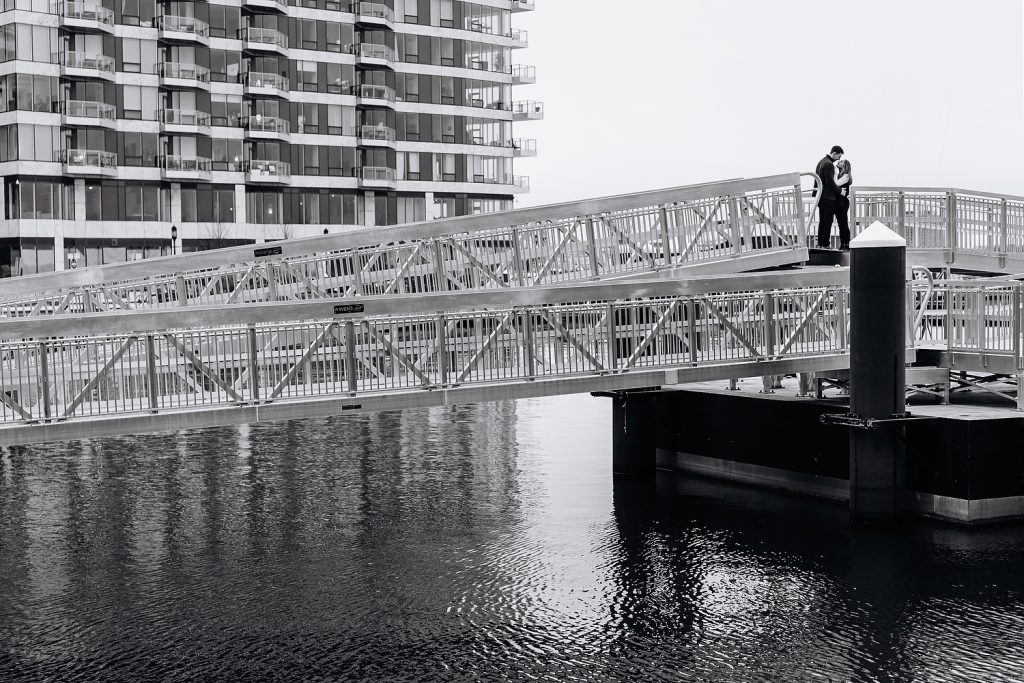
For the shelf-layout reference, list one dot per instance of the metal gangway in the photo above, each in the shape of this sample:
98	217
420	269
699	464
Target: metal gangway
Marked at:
715	228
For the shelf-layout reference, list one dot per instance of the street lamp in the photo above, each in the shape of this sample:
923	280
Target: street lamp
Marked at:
174	238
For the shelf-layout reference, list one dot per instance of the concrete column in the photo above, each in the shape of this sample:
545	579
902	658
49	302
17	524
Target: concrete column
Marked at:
634	433
877	372
240	210
59	262
176	207
80	199
369	210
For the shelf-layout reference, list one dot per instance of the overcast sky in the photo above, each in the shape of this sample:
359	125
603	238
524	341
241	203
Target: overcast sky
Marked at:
645	94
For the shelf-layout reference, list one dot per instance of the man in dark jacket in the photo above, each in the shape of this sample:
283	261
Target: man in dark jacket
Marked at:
828	205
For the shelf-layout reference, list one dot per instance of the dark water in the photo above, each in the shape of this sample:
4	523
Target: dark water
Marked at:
469	543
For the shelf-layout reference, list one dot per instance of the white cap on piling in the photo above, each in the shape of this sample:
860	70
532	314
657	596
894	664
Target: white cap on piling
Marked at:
877	234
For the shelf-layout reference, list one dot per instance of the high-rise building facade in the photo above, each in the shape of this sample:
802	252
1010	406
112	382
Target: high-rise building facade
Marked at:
134	128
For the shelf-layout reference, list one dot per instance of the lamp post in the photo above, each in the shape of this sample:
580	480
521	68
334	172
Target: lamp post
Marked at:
174	239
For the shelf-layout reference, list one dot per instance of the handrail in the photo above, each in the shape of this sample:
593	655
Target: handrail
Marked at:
412	232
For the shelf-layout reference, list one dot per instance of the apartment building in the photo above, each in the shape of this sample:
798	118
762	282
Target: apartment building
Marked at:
135	128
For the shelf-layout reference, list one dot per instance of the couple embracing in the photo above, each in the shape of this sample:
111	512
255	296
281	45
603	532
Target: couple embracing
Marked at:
836	179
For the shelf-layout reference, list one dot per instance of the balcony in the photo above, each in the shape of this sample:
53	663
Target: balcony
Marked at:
376	136
264	171
86	65
523	74
266	5
265	40
521	183
183	29
521	37
265	127
187	121
88	162
375	14
87	17
376	96
377	176
523	6
524	147
179	75
527	111
265	84
175	167
87	113
372	54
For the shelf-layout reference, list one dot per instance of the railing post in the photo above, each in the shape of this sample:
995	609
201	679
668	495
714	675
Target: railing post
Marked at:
154	404
609	325
44	379
901	219
734	225
1004	226
853	213
844	317
769	324
181	290
801	225
442	350
951	222
439	266
591	246
691	314
666	246
526	326
254	367
517	255
350	357
1016	327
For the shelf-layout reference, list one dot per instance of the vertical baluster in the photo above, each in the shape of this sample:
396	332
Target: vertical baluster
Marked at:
44	379
254	367
350	356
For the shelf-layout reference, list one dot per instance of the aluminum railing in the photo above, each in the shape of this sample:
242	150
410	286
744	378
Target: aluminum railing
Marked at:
374	51
87	60
184	117
375	10
265	124
524	72
268	168
179	24
88	109
87	158
156	368
381	173
378	133
376	92
187	72
261	79
183	164
88	12
265	36
579	241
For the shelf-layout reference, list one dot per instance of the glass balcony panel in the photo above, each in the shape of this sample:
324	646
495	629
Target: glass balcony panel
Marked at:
378	133
265	36
87	109
179	24
377	92
84	11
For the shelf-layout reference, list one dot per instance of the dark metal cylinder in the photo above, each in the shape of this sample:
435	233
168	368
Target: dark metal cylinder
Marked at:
877	378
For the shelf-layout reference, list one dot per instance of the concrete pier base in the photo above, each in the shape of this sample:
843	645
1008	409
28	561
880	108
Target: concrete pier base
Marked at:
634	427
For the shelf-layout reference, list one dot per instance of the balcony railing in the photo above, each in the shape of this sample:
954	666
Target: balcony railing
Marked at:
262	169
279	5
87	109
184	117
377	133
378	174
262	79
376	92
87	158
185	72
528	110
523	74
375	10
374	51
265	124
180	164
522	181
522	5
183	25
525	147
268	37
83	11
520	35
88	60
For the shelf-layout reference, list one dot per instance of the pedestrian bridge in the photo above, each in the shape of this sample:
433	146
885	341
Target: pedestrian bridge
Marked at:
621	293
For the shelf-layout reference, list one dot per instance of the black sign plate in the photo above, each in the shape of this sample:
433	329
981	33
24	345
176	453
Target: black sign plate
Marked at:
341	309
267	251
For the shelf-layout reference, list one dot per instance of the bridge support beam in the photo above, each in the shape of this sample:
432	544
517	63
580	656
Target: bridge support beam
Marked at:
634	432
878	373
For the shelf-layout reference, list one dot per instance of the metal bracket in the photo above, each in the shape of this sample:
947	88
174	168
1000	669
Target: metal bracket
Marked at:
854	421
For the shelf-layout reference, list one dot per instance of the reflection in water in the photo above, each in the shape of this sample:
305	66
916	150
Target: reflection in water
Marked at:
473	542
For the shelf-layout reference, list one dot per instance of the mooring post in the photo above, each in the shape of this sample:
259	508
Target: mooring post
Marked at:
877	372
